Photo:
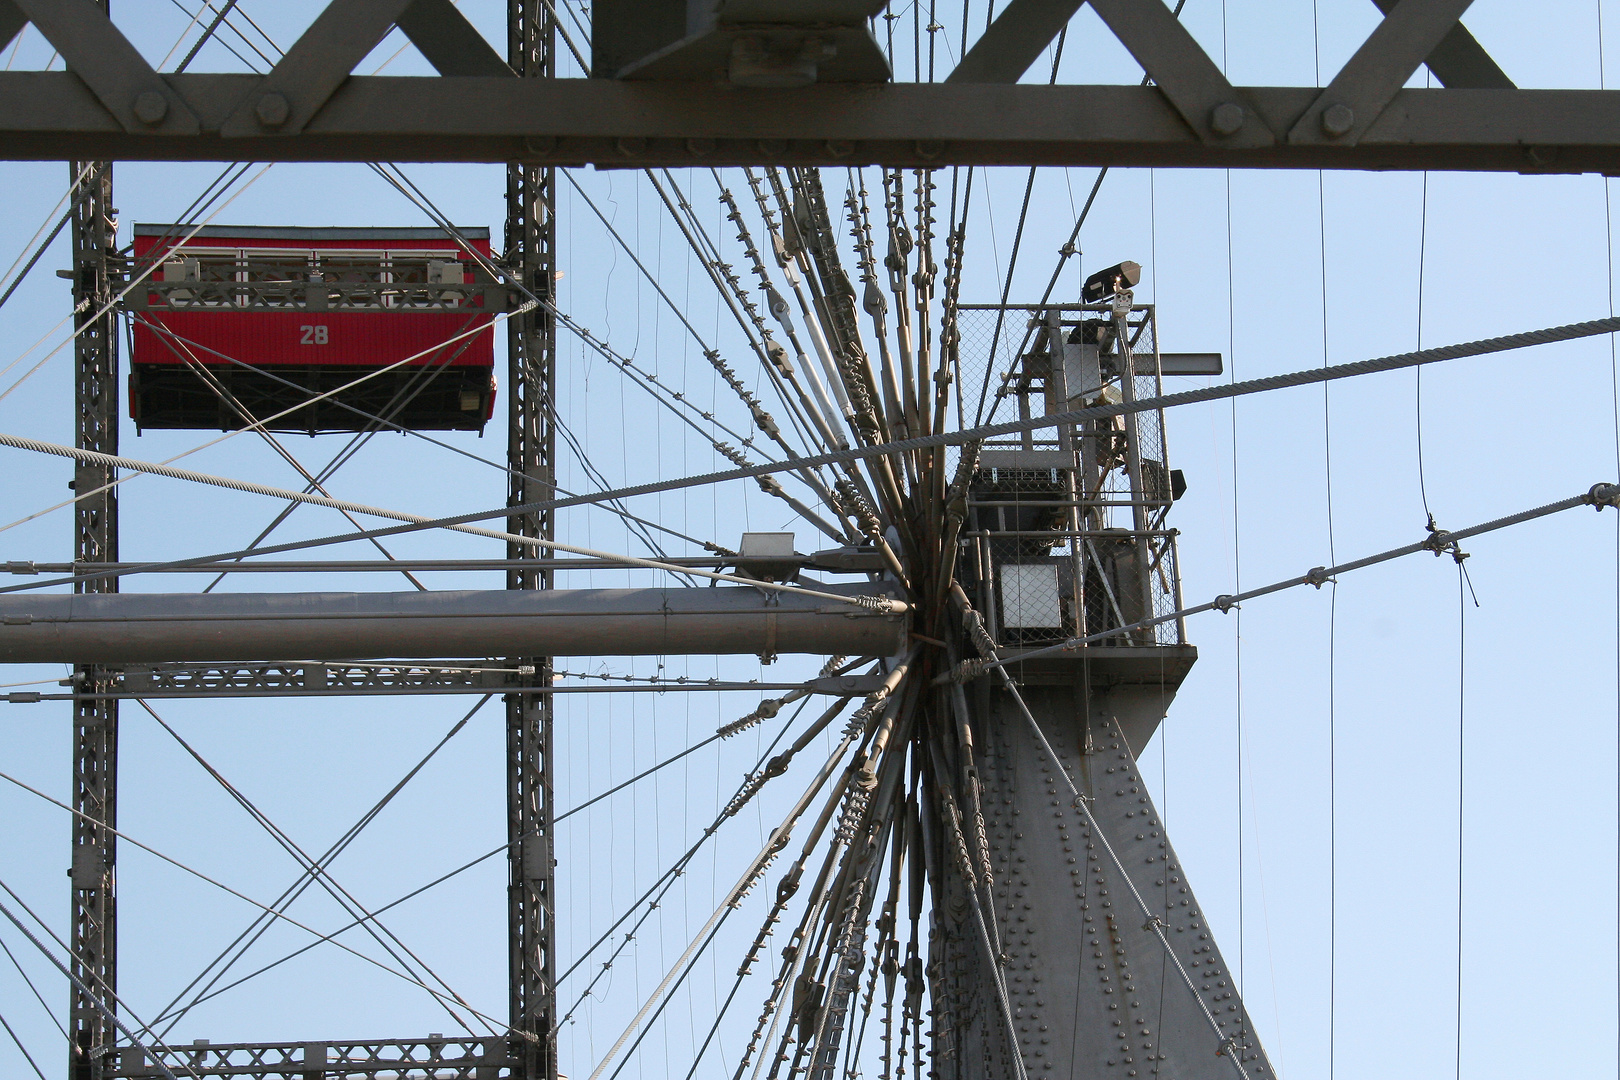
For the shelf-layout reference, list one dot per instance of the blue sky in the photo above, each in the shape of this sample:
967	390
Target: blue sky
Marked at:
1352	839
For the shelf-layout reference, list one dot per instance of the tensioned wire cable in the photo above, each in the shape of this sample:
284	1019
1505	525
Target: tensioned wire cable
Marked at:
382	423
35	990
709	262
1307	377
1614	400
675	869
344	898
223	43
264	421
134	283
297	888
1439	542
95	998
207	34
419	199
91	819
114	461
622	363
312	483
209	196
20	1046
40	249
1065	253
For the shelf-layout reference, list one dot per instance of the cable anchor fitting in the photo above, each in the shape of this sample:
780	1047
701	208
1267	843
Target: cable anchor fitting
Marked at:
1441	543
766	710
1224	603
1318	576
1603	495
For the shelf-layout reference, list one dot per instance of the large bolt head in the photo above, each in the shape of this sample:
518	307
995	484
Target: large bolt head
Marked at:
272	110
1227	118
151	107
1338	119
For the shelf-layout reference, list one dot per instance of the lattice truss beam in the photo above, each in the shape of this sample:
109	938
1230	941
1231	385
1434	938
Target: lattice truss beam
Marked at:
742	85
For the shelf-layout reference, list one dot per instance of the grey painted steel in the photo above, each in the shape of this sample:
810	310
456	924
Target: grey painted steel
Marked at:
450	43
1459	62
1358	94
1092	991
112	69
12	21
531	455
157	627
93	878
1021	32
54	115
432	1058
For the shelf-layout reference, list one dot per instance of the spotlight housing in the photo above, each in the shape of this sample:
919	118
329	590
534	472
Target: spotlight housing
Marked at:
1101	285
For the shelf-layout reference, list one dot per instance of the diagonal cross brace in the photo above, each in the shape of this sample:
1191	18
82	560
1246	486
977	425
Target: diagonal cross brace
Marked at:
99	54
451	44
1370	79
1184	73
1173	60
319	62
1459	62
12	20
1013	41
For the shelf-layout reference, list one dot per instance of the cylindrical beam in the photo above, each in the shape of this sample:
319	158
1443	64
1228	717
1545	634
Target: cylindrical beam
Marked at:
110	628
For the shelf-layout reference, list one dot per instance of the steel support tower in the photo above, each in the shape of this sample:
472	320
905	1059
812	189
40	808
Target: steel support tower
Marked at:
531	444
94	925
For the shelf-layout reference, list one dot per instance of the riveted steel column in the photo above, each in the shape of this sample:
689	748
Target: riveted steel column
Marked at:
1091	988
531	446
94	927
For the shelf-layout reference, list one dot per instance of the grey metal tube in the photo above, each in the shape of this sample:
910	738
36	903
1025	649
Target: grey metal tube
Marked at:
113	628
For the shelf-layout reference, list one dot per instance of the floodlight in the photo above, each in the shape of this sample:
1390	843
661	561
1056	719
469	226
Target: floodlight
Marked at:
1101	285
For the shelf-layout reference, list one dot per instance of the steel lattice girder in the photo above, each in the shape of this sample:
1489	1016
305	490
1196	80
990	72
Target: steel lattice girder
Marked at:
111	104
51	115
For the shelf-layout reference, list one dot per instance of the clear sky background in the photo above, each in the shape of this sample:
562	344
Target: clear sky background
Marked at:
1330	758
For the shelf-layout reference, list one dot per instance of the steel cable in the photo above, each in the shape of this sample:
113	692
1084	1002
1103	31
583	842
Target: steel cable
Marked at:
501	1025
1439	542
1569	332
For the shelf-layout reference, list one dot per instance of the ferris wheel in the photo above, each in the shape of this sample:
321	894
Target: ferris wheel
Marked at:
731	599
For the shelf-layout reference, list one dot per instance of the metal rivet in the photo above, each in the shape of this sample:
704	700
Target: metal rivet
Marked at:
151	107
272	109
1338	119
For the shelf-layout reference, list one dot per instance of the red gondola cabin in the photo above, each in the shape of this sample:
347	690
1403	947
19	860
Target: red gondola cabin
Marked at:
312	330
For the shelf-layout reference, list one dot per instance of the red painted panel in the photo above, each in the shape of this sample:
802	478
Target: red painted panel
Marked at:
363	338
145	244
